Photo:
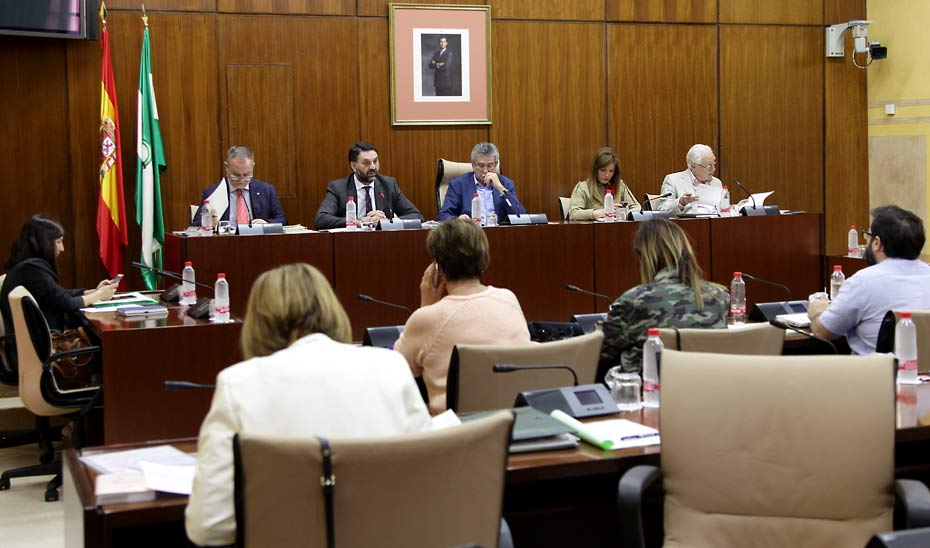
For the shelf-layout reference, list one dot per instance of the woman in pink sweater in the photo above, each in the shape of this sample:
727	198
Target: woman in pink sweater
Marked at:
456	308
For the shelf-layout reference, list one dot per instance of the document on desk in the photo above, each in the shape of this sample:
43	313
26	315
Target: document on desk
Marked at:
709	195
108	462
168	478
624	433
121	300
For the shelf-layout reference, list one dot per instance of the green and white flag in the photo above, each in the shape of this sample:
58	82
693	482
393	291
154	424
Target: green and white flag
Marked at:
151	162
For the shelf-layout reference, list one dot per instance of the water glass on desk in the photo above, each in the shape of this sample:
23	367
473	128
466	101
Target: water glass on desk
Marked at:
625	388
225	228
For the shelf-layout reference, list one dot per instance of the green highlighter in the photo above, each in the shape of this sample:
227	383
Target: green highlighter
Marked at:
579	430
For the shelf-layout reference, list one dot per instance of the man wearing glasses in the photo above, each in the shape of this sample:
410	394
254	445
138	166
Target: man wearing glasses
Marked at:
250	201
496	192
376	196
896	279
683	186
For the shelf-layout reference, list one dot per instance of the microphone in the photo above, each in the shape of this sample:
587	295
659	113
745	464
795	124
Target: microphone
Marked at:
509	368
180	386
776	284
387	213
166	273
367	299
577	289
751	197
782	325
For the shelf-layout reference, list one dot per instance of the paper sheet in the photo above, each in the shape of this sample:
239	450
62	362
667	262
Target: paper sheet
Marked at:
624	433
219	200
168	478
709	195
109	462
760	198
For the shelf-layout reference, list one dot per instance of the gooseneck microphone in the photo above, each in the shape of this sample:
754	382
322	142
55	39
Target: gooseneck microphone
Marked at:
751	197
510	368
776	284
365	298
180	386
782	325
166	273
577	289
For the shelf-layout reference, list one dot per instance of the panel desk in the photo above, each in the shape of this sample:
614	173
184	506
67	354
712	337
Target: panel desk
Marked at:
552	498
140	354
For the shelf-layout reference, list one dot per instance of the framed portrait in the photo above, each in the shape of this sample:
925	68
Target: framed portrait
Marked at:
440	64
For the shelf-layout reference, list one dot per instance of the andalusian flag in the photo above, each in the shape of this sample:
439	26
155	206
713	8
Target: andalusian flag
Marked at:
150	164
111	213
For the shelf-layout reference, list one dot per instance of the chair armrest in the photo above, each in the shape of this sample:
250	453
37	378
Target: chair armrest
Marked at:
69	354
914	499
630	503
914	538
506	540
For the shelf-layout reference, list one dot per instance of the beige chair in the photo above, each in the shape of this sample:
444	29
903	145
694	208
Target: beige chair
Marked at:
760	339
651	202
564	206
441	488
472	385
773	451
37	386
445	172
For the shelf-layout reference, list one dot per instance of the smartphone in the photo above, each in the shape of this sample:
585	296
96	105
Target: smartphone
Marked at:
435	275
117	279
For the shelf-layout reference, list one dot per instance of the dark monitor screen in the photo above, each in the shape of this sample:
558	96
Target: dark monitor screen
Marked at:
49	18
588	397
798	306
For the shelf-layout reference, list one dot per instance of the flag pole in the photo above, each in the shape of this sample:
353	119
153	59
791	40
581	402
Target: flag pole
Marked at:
145	18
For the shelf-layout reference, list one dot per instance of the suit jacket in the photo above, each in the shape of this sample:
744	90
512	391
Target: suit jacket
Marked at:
388	198
265	204
442	77
679	184
462	189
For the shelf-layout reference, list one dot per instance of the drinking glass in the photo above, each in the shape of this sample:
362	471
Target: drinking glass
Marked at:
625	389
225	228
491	219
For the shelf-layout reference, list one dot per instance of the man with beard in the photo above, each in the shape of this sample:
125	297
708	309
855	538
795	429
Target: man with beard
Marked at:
895	279
376	196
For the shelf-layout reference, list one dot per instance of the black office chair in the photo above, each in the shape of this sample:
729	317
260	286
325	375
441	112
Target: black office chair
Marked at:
914	538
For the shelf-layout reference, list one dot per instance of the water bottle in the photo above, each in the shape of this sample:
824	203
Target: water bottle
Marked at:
852	242
905	349
737	299
221	298
351	214
609	205
836	281
652	360
188	289
725	202
476	208
206	217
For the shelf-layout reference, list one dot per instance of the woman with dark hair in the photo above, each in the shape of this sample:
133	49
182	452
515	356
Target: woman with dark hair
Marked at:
672	293
33	264
587	203
455	307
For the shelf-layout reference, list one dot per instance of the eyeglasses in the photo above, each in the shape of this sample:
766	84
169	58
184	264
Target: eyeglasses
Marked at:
711	165
232	177
866	234
491	165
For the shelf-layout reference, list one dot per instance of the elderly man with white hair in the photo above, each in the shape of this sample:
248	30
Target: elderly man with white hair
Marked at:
683	186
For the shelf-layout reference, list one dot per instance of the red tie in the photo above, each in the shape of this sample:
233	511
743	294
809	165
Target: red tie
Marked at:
242	212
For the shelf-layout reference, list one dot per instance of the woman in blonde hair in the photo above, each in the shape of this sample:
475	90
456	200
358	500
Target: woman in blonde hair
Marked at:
672	293
587	202
300	377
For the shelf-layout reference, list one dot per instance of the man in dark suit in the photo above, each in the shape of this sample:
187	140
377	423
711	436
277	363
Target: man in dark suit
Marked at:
496	192
441	63
248	200
376	196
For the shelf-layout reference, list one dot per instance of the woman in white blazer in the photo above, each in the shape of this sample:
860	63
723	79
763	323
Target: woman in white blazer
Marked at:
301	377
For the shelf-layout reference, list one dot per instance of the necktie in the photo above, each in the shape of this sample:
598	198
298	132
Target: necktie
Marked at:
242	212
366	201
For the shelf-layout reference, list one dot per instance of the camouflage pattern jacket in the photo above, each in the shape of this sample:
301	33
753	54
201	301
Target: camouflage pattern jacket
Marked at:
665	302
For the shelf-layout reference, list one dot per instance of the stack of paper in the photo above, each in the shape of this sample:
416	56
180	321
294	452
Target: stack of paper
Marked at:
297	229
137	474
795	320
125	486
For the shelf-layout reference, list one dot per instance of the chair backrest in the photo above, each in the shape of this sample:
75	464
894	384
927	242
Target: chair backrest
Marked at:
33	347
921	319
563	206
774	446
650	201
7	374
760	339
472	385
441	488
445	172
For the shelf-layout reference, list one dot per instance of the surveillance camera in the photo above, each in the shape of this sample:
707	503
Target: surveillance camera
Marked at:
878	51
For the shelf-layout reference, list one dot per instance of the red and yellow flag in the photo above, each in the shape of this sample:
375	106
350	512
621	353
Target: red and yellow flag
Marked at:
111	213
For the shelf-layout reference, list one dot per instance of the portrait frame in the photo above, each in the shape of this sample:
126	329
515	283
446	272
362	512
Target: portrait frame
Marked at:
440	64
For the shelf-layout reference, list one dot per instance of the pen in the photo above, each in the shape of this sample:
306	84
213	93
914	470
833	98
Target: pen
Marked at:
639	436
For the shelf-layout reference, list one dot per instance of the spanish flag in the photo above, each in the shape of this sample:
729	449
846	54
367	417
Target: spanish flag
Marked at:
111	214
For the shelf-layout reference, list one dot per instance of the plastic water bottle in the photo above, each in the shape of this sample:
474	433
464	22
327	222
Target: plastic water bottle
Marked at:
725	202
206	217
652	360
188	289
476	208
852	242
905	349
351	214
737	299
609	205
836	281
221	298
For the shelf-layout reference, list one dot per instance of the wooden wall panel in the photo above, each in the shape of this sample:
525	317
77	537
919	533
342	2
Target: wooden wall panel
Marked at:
836	11
407	153
576	10
796	12
294	7
658	110
323	53
380	7
162	5
34	141
771	112
668	11
548	106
